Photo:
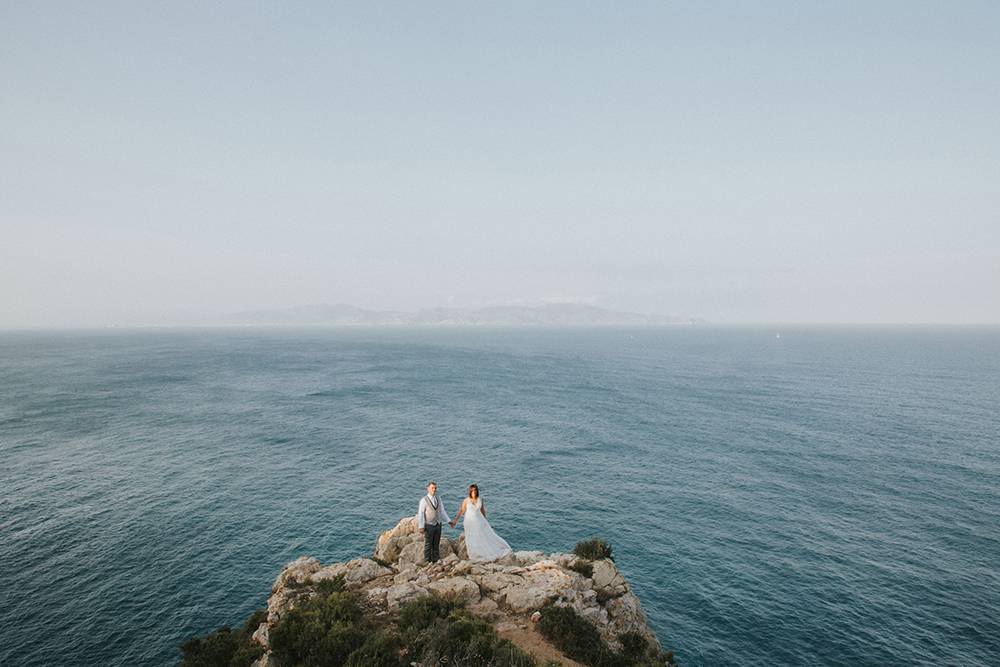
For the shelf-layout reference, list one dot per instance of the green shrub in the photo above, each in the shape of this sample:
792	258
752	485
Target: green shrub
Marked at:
326	586
438	631
594	549
214	650
225	647
423	612
574	635
382	649
579	639
332	629
463	639
321	632
246	654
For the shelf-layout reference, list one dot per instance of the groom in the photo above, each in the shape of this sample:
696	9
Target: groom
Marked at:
430	516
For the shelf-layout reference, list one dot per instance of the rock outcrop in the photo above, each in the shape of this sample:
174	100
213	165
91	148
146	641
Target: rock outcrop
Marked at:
507	592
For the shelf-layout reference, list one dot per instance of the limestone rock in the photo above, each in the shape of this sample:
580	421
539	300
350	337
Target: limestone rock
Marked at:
625	614
508	590
485	607
459	588
522	599
458	546
296	572
565	560
411	550
260	635
377	596
403	593
411	554
607	578
356	572
292	585
595	615
391	542
507	559
266	660
528	557
409	574
497	582
461	567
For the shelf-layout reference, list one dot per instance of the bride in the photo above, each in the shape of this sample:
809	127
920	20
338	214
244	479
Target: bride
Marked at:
480	539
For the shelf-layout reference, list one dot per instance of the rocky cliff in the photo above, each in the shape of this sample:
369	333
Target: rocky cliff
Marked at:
510	593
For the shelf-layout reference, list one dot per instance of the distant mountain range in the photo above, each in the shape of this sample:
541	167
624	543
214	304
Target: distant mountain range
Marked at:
552	315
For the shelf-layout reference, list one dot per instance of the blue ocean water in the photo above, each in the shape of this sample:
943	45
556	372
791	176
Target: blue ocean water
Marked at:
828	497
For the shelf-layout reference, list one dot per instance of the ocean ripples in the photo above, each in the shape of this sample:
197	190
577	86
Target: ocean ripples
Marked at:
828	498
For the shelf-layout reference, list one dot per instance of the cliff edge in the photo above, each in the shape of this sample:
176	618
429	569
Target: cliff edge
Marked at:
533	600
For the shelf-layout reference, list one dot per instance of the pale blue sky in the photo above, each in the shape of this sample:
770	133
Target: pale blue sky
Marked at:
828	162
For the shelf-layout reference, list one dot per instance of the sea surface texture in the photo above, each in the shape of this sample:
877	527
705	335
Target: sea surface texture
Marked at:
828	496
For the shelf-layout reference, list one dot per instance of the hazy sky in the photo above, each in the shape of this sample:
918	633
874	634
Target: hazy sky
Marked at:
827	162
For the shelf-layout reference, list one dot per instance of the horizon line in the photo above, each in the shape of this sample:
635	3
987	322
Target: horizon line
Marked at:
298	326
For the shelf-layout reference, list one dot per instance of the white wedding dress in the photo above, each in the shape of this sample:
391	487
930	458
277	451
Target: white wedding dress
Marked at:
480	539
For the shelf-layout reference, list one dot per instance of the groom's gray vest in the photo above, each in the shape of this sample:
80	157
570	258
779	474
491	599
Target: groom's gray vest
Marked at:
431	511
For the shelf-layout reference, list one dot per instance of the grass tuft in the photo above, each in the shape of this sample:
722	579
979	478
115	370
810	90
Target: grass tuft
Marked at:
594	549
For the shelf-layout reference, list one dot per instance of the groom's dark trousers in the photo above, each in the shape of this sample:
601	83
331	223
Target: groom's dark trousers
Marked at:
432	542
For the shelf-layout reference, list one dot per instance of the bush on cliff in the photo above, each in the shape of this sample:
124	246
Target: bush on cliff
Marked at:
575	636
381	649
579	639
418	614
333	629
438	631
225	647
594	549
322	631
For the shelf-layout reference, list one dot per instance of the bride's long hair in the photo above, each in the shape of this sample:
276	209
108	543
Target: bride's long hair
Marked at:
474	487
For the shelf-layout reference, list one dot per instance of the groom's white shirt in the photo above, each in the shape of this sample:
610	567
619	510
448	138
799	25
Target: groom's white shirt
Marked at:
442	516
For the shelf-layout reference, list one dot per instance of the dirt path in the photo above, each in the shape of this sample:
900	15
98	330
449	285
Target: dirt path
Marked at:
524	634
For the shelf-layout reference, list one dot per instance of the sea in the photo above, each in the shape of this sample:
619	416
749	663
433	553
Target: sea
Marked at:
775	495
